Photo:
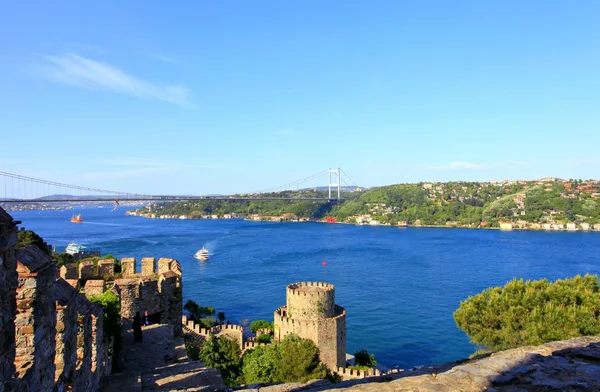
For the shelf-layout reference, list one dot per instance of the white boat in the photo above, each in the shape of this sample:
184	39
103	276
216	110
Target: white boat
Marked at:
73	248
202	254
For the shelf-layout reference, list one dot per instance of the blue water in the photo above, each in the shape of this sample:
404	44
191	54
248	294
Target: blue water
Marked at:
399	286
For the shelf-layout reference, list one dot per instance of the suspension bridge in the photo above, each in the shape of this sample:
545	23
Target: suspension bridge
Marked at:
23	189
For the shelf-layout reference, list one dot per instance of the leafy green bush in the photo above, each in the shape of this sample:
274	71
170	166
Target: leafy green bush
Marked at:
531	312
363	359
193	352
260	324
222	354
293	360
111	320
264	338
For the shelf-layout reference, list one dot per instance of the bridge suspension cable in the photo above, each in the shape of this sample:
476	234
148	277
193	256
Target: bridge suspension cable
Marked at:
33	190
57	186
293	185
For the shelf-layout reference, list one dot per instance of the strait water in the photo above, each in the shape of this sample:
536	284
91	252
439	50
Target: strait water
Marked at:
399	286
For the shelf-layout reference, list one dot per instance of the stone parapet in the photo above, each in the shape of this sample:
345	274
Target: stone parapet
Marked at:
86	270
8	285
51	336
35	321
94	287
69	271
159	294
148	266
106	268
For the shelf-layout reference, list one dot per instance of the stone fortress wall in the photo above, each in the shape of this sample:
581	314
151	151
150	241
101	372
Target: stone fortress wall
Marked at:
156	289
51	336
311	313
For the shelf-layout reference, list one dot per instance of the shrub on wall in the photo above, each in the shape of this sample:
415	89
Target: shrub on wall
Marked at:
111	320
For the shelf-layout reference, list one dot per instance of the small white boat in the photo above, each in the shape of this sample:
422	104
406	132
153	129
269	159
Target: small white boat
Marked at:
202	254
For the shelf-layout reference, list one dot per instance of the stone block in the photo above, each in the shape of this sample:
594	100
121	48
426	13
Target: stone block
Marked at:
106	268
128	266
148	266
86	270
94	287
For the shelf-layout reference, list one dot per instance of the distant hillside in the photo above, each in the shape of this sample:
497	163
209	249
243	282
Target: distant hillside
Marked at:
469	204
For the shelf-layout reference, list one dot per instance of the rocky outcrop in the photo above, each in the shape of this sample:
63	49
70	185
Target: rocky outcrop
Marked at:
569	365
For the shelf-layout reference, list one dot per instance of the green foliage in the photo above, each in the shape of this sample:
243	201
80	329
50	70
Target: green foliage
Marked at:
111	320
63	258
28	237
260	324
362	358
531	312
201	314
293	360
260	364
222	354
264	338
193	352
452	203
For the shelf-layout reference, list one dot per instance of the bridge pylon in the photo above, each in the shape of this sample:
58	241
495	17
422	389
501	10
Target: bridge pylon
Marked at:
336	176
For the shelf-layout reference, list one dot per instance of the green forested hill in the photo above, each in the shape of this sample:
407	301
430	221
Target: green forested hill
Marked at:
459	203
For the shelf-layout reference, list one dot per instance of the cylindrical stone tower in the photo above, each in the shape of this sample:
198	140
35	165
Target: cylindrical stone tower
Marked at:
311	313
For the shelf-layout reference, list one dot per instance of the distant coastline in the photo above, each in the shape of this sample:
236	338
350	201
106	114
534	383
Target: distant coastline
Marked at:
283	219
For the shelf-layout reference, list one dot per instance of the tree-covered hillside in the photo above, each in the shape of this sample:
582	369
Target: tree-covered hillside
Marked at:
469	204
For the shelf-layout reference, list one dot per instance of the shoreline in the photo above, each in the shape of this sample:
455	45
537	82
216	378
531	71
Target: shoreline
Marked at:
379	225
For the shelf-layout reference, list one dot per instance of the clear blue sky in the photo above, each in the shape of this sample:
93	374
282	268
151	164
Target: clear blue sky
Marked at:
232	96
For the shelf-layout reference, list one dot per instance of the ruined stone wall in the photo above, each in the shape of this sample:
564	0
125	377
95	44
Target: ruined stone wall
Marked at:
51	336
8	285
152	292
35	321
311	313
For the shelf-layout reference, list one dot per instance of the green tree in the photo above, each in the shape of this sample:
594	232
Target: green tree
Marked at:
293	360
222	354
260	364
299	360
63	258
531	312
201	314
362	358
28	237
260	324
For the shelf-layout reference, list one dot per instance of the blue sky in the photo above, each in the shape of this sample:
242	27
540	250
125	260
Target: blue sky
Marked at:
230	96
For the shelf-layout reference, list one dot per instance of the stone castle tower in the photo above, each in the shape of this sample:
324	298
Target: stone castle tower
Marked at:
311	313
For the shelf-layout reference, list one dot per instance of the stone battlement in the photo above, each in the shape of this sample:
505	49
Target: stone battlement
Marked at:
310	300
348	373
159	294
149	266
198	334
305	288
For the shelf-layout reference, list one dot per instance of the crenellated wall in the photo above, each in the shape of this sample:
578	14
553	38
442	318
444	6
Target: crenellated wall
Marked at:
198	335
156	293
51	336
8	286
311	313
